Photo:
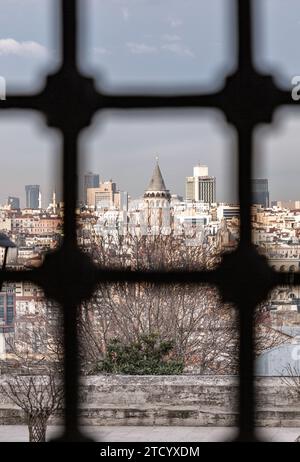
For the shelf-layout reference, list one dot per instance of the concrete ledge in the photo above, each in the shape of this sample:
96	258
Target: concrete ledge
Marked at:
164	416
186	400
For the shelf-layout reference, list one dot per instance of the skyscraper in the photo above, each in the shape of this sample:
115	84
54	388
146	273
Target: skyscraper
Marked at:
32	196
260	192
200	186
103	196
14	202
91	180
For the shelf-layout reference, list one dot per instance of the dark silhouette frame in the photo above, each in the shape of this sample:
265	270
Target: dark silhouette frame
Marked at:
69	101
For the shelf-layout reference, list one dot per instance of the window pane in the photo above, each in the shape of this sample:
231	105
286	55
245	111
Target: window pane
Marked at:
29	47
275	191
30	189
31	364
166	175
278	364
170	43
171	355
276	39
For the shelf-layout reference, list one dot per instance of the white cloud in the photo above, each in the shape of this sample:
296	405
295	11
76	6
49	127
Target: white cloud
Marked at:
178	49
125	13
102	51
140	48
10	46
174	22
173	46
171	38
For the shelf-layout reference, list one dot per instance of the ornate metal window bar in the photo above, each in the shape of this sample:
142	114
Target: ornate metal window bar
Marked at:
69	101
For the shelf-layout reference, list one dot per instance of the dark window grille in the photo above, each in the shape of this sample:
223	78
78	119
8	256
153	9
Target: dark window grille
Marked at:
69	101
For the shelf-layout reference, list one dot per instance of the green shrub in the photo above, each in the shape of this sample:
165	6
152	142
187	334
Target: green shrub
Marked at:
147	356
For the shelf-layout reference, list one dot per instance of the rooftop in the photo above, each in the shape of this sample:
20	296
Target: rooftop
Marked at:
157	182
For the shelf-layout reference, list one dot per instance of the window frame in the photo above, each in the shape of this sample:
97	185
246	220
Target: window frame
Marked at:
69	100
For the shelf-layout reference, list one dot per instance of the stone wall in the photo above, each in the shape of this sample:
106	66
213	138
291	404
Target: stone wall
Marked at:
173	400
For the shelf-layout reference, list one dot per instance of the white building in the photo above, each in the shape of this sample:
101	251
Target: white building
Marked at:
201	186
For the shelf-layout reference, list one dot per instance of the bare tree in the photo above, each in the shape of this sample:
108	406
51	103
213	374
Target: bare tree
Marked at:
39	396
33	372
203	329
291	378
266	336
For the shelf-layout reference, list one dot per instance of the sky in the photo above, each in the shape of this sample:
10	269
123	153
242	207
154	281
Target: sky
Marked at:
130	45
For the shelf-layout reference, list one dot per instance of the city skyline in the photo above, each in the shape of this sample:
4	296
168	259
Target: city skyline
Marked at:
91	183
96	181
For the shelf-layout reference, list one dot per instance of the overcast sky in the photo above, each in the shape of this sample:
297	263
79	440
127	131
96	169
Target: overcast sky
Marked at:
168	43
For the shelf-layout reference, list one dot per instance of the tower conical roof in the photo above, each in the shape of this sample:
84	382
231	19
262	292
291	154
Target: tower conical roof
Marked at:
157	182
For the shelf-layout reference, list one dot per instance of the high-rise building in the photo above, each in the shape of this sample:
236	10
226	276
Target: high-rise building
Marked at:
53	204
104	196
200	186
91	180
40	200
122	201
32	196
260	192
14	202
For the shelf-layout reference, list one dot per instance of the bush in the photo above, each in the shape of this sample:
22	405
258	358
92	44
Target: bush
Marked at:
147	356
